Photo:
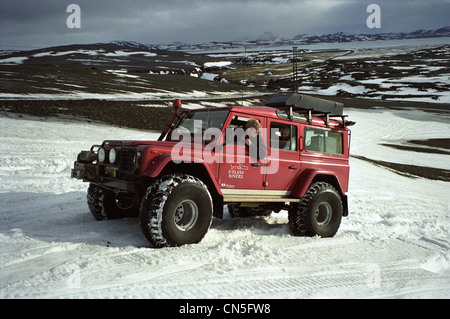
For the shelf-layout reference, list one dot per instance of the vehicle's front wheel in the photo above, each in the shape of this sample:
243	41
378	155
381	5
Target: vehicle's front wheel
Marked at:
105	204
318	213
176	210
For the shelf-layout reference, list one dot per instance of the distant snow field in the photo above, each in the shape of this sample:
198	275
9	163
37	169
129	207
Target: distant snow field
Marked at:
394	243
379	73
117	53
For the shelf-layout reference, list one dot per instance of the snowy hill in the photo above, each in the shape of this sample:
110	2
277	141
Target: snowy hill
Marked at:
268	38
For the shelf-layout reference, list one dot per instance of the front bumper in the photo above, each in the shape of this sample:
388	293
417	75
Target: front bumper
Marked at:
89	173
118	177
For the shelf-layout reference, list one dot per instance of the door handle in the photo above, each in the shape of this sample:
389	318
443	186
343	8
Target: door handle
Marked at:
293	167
256	164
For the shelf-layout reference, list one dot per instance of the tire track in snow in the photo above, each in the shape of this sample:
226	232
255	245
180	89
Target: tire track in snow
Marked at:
327	284
267	284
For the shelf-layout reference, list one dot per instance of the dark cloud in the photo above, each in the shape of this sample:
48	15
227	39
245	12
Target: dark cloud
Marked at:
39	23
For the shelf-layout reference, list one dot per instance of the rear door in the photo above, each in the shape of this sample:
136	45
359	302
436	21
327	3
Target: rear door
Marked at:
284	146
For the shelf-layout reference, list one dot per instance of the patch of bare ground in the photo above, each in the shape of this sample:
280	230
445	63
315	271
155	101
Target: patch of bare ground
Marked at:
408	170
434	142
132	114
426	149
118	113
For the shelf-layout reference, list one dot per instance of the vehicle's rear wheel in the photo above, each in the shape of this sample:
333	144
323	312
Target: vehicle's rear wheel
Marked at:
176	210
318	213
105	204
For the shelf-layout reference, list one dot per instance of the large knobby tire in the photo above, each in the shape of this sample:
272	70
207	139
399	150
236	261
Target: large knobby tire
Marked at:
318	213
176	210
105	204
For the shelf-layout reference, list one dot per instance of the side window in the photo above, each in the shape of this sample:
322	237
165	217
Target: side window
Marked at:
235	132
323	141
283	136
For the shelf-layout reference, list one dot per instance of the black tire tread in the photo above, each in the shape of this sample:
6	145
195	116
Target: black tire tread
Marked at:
298	217
95	196
153	202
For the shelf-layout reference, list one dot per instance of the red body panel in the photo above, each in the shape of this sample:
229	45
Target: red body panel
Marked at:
290	171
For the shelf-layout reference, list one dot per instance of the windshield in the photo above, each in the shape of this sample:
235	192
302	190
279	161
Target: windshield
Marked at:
193	122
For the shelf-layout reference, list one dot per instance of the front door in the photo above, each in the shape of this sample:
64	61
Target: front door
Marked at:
237	169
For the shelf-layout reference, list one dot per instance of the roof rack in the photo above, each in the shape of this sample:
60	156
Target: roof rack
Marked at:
309	105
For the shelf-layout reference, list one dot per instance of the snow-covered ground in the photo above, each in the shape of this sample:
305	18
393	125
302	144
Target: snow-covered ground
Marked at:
394	244
161	95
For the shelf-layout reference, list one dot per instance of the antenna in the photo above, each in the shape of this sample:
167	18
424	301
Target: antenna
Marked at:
294	70
244	81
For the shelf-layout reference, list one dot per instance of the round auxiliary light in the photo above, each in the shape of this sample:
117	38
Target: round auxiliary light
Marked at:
112	155
101	155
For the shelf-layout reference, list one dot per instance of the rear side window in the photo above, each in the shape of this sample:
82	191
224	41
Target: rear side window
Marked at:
323	141
283	136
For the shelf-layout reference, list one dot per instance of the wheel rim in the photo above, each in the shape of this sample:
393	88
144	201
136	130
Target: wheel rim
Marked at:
323	213
186	215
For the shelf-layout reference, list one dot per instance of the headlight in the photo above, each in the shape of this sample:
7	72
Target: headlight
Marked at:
112	155
101	155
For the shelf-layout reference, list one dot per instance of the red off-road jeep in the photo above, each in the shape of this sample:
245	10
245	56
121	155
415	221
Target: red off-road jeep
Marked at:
296	159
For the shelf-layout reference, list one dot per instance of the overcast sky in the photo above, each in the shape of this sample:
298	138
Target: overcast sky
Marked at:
28	24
